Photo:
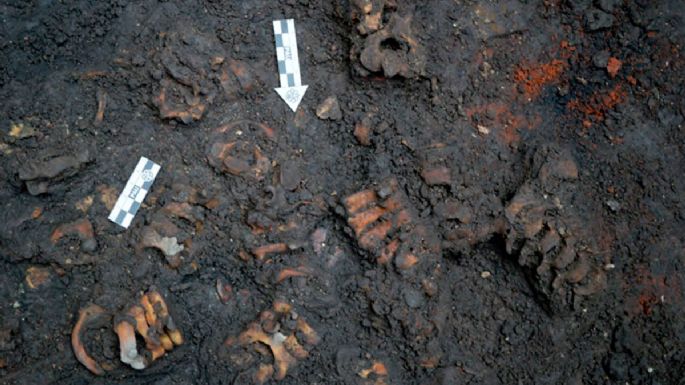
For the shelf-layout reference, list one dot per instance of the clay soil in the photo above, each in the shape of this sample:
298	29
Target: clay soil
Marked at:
471	192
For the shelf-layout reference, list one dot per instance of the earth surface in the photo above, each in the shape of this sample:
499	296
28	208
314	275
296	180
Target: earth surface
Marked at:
470	192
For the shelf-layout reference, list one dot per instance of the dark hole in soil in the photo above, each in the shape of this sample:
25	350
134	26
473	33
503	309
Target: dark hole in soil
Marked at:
387	12
394	44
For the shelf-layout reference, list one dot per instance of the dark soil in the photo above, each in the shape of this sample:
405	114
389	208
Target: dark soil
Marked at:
499	200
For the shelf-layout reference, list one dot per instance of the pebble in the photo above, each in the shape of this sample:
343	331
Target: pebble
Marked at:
290	175
596	20
329	109
413	298
485	275
384	192
89	245
601	59
379	308
608	5
613	205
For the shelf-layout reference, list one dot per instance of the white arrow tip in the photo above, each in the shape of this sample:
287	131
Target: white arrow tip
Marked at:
292	95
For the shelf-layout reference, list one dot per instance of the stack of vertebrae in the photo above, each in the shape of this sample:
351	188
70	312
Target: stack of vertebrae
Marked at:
379	217
151	320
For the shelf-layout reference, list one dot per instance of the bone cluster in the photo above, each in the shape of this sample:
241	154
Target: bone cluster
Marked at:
151	320
288	337
385	47
378	217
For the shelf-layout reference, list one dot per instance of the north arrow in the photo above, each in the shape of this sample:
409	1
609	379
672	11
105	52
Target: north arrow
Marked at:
291	89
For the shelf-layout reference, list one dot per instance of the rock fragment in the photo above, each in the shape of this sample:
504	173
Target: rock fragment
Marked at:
362	130
601	58
41	176
453	209
596	20
613	205
329	109
413	298
608	5
290	175
436	175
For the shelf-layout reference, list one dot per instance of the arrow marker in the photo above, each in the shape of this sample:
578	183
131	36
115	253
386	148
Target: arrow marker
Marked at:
291	89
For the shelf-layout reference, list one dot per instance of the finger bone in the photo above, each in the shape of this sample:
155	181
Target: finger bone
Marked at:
294	347
309	333
263	373
152	340
127	346
159	307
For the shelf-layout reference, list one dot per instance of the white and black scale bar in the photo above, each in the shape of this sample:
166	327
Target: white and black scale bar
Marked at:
291	89
134	192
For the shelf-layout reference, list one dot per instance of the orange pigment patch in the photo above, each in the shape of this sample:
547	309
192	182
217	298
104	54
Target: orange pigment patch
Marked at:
613	66
532	78
653	289
598	104
506	124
